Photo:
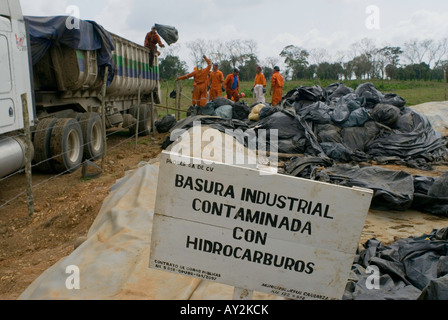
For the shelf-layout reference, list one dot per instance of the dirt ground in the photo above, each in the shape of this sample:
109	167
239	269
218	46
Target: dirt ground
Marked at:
66	207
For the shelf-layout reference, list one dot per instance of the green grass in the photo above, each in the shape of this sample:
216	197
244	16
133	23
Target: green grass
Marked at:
415	92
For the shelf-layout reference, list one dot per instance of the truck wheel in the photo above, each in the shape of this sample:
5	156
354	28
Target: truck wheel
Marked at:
92	133
66	146
42	138
145	125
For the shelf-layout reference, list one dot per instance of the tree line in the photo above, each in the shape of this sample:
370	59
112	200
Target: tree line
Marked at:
363	60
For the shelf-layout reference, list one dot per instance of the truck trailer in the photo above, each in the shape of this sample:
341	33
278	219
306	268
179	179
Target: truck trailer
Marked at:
59	68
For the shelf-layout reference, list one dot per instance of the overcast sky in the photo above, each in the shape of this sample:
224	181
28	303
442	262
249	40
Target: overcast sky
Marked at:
330	24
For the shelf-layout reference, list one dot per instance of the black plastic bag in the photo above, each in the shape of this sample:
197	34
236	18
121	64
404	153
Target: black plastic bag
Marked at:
357	118
314	94
221	101
328	133
168	33
345	106
337	151
423	141
294	134
357	138
318	113
268	111
395	100
386	114
370	93
338	90
166	124
241	111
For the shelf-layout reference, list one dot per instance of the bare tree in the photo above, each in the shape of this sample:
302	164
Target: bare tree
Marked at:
216	52
272	62
198	49
172	50
416	51
438	52
318	56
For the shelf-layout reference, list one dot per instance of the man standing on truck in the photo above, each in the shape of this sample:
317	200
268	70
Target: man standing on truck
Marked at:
201	84
216	82
151	41
277	87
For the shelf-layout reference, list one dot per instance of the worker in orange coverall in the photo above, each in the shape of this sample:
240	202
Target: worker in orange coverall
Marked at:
260	86
201	85
216	82
151	41
232	85
277	84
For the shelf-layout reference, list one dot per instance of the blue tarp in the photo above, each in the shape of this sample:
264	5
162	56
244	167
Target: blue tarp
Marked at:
86	35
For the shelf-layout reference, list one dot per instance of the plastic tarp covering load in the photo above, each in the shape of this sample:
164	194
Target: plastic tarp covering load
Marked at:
46	32
114	260
409	269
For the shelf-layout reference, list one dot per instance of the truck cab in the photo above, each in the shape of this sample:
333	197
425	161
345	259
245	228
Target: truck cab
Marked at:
15	70
15	86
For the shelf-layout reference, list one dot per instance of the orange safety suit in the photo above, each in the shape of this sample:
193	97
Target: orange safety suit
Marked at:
277	88
233	94
152	40
201	83
260	79
216	83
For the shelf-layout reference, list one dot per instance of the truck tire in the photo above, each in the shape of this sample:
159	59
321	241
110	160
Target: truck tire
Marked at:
66	146
92	133
42	147
145	125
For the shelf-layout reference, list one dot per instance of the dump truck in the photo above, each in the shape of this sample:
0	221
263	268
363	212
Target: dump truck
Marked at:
64	72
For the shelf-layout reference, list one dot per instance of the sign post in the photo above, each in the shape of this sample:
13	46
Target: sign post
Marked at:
276	234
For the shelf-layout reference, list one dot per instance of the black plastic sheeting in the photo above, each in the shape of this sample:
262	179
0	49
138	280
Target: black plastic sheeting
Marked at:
409	269
393	190
347	125
46	32
370	123
342	139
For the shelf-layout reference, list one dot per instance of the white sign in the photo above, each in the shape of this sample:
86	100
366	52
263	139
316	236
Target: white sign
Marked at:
276	234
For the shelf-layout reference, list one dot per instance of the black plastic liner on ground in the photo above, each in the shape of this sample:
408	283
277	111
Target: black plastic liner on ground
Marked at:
409	269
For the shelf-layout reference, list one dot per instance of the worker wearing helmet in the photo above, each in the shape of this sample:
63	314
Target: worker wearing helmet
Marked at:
216	82
151	41
260	86
201	82
277	84
232	85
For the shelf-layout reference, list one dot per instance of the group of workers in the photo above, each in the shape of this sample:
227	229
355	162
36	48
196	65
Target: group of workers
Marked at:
209	82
